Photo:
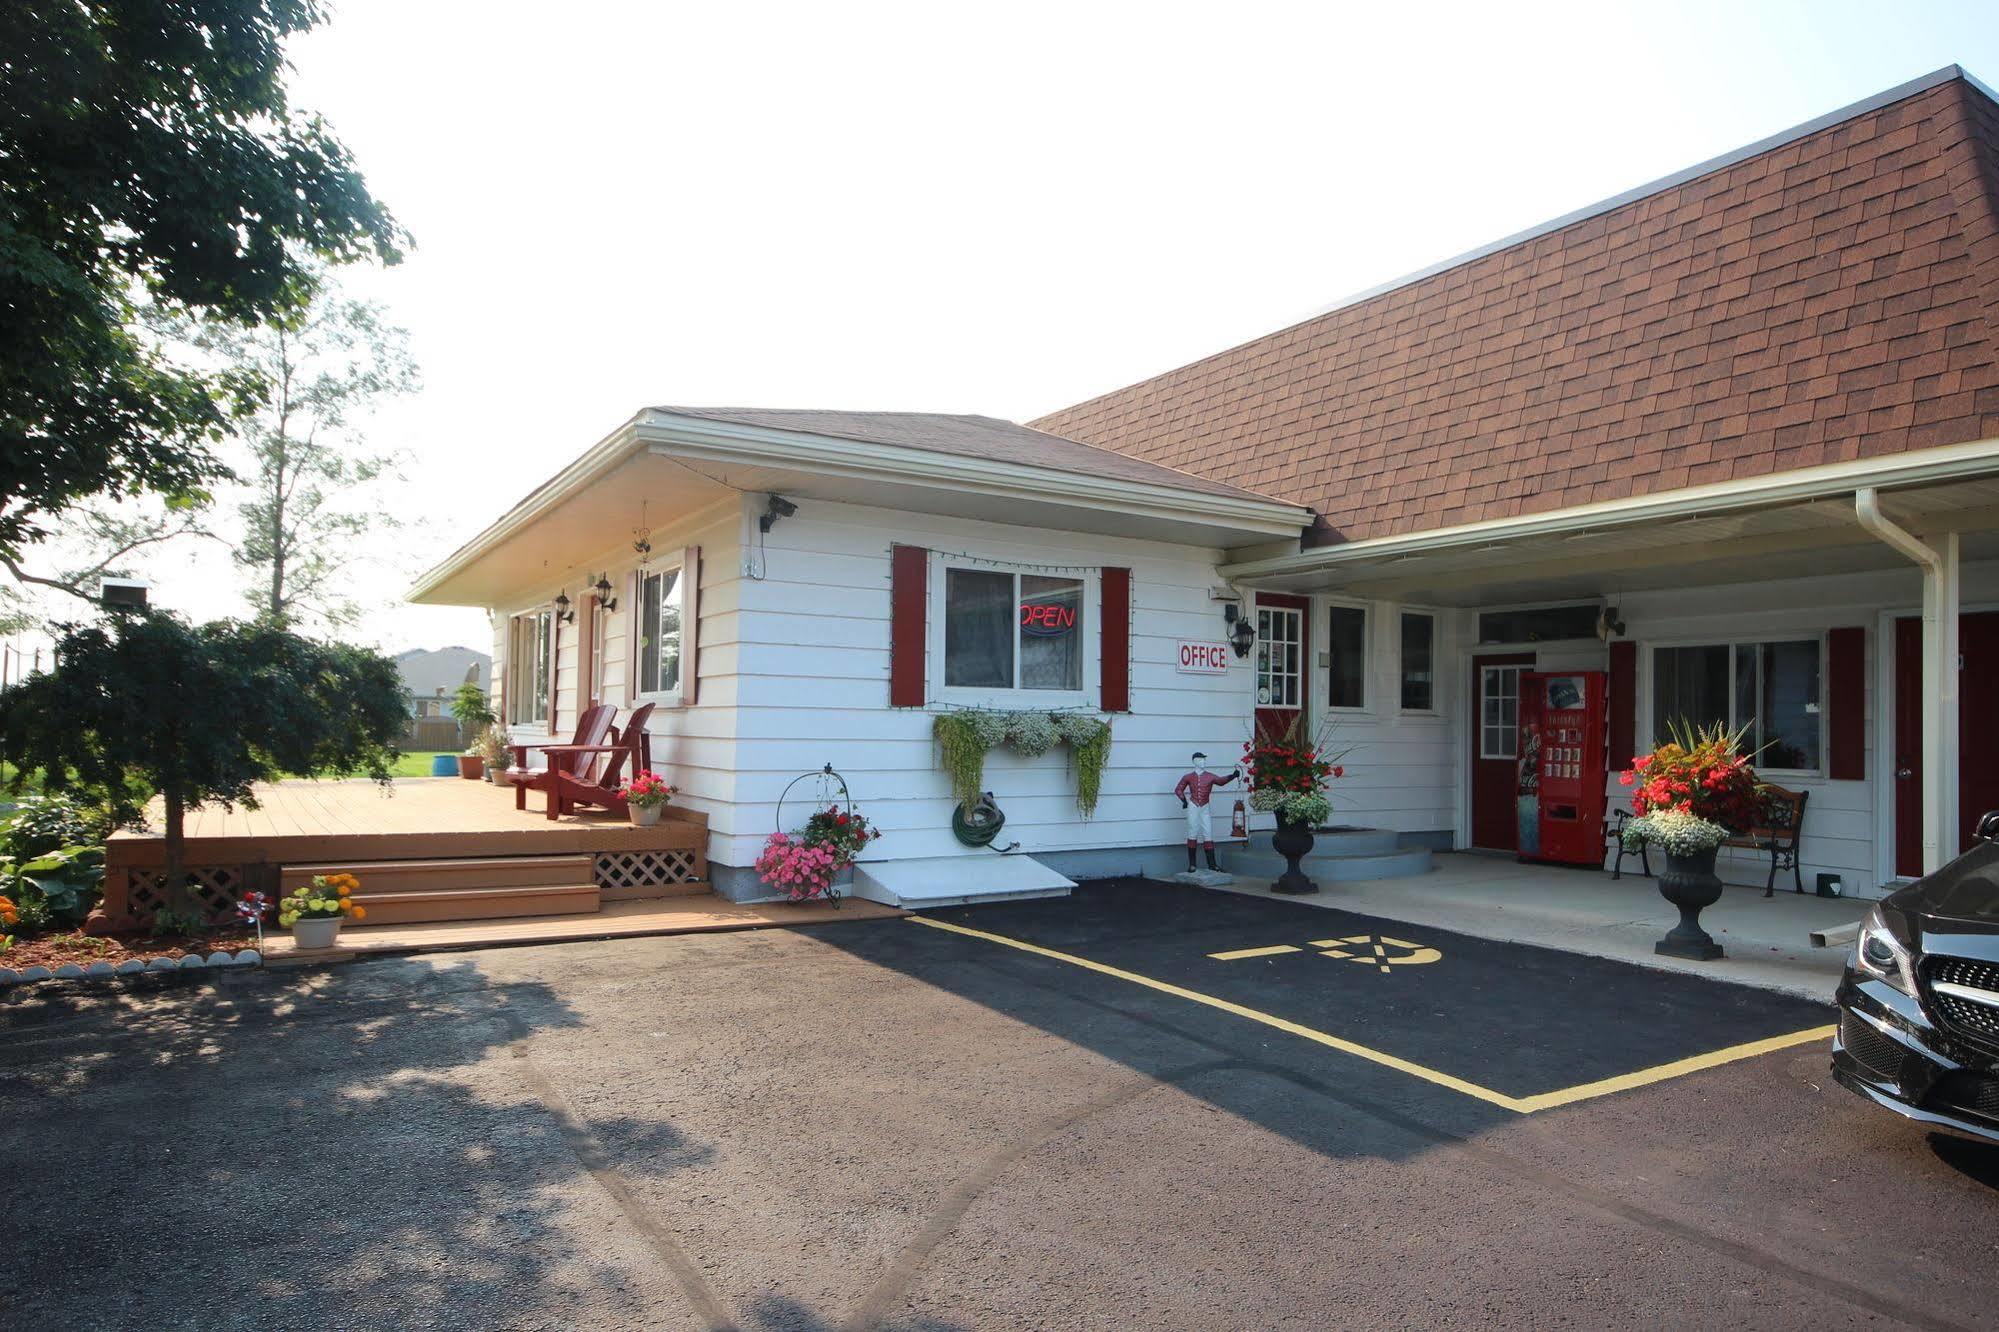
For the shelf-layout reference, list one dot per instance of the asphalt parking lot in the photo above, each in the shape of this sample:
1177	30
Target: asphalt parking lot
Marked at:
1143	1106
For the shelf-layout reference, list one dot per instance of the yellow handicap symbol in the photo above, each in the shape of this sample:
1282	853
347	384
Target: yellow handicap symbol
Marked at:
1377	950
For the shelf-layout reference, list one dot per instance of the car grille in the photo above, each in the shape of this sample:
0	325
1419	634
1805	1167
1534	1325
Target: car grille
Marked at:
1972	1093
1967	1017
1869	1048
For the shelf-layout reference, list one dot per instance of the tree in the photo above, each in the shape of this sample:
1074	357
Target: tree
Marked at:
149	154
307	461
472	711
197	714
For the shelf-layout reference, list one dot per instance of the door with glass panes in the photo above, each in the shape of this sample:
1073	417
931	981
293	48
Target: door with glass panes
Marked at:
1281	640
1495	749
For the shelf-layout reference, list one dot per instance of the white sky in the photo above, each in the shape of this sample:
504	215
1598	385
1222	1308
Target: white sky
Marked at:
996	208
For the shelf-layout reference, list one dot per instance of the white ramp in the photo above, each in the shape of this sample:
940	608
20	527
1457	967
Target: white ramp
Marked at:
937	881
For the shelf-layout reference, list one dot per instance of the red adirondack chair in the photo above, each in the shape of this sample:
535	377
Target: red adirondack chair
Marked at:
590	730
597	783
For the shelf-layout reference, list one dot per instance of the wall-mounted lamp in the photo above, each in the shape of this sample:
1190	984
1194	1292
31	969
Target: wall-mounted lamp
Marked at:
563	613
602	587
778	507
1242	634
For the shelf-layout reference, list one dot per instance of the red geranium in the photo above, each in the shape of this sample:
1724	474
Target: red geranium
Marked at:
1703	773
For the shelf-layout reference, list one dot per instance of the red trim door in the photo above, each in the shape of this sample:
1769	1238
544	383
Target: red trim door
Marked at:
1977	734
1495	749
1283	634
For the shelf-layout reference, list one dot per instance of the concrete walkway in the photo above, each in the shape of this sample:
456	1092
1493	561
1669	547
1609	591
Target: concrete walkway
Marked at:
1582	911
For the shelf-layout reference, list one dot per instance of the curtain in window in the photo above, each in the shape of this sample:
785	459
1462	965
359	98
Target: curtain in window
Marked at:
978	629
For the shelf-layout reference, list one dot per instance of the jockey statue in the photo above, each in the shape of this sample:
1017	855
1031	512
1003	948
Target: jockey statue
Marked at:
1193	791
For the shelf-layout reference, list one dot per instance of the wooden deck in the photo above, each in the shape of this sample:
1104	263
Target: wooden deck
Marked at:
445	849
673	915
415	818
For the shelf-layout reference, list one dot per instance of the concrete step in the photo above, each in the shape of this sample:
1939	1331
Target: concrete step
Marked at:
423	876
1335	858
408	908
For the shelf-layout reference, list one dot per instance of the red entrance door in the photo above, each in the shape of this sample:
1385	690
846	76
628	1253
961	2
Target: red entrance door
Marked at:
1977	734
1495	749
1281	640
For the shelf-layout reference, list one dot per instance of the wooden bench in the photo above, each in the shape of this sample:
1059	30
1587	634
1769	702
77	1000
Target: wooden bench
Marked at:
1783	824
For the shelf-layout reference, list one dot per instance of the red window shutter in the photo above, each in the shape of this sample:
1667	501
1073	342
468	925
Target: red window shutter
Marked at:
1114	653
909	594
1846	704
690	625
1623	703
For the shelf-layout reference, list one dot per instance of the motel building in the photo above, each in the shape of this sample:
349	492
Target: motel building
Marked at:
1730	440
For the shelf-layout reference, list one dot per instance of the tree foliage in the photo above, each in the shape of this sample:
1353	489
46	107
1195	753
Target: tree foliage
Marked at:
198	713
304	507
149	154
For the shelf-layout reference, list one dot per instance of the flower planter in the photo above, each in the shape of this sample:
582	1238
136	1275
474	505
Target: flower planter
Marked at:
1292	840
321	933
471	767
645	816
1690	883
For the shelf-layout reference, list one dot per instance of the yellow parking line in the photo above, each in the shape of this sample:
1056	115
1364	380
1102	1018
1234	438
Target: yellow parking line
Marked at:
1241	953
1661	1072
1525	1105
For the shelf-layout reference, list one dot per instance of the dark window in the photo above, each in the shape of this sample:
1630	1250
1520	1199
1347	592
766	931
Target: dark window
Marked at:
1689	686
978	629
1419	678
1537	624
1346	636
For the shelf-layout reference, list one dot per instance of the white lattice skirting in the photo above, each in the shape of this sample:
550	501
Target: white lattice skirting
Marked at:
645	869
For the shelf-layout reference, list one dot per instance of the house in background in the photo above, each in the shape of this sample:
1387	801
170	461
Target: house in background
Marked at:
432	675
1731	438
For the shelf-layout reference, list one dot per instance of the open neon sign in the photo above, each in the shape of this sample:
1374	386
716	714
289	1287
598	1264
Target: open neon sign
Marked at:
1046	619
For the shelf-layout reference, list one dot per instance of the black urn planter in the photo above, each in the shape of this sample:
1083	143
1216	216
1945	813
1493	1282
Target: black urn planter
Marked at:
1690	884
1292	840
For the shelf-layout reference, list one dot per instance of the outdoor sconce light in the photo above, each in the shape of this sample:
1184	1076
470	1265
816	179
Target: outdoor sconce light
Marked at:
604	599
1242	634
562	611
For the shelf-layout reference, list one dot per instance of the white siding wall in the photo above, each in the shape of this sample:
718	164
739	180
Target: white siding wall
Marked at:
812	661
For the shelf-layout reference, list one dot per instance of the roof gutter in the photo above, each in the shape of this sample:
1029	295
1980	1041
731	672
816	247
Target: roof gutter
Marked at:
1949	462
701	439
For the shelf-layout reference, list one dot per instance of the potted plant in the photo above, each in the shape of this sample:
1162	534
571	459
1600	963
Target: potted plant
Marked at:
645	796
1691	794
313	913
474	714
495	751
1288	779
846	831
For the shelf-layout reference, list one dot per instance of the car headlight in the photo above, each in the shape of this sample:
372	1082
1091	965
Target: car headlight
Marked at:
1878	953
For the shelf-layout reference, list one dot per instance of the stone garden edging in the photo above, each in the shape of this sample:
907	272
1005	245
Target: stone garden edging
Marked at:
131	966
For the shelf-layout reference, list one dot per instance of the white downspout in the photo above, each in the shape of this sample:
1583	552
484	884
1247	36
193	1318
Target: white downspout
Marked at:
1939	676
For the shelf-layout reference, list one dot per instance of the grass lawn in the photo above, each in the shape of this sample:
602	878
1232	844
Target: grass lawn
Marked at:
416	762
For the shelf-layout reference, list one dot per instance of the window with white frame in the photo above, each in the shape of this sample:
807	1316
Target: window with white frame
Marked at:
1499	711
658	628
1770	690
1011	630
527	681
1346	657
1419	662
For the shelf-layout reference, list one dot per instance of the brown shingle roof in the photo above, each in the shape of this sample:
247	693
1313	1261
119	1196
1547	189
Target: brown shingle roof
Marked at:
1831	298
972	437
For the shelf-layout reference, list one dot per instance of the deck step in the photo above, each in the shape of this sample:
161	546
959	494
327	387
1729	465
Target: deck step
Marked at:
409	876
409	908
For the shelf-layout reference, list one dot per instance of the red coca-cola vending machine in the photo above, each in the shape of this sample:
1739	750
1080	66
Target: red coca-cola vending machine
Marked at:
1562	766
